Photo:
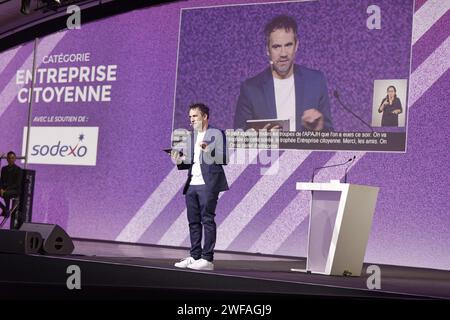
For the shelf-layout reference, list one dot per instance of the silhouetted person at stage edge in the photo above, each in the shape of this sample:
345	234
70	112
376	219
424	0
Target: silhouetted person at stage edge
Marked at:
285	90
391	108
10	182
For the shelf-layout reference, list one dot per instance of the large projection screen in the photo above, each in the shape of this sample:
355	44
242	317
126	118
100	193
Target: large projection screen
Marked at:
359	48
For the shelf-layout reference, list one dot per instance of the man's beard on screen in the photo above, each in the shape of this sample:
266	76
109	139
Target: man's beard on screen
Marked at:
284	70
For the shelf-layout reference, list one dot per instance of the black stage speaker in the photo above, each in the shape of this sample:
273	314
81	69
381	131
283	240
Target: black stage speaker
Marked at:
56	240
24	242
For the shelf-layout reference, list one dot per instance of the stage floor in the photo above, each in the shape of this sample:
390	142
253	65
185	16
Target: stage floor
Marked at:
147	271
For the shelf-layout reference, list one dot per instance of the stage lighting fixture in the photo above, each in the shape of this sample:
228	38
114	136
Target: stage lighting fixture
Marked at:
52	2
25	6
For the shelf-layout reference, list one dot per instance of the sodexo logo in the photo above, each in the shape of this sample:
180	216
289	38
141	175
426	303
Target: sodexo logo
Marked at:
62	145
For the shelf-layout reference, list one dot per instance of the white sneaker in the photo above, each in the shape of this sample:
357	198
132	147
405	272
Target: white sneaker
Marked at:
201	264
185	263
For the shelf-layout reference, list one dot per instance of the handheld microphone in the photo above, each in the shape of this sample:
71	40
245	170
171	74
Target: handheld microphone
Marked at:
336	95
334	165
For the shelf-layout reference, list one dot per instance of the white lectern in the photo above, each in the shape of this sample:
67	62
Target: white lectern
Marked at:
339	226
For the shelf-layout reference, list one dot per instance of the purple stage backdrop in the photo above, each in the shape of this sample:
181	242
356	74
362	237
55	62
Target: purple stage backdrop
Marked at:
98	133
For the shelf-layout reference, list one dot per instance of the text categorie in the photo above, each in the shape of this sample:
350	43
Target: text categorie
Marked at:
66	84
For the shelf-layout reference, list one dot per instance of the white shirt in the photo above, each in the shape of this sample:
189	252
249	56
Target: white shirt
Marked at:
197	178
285	100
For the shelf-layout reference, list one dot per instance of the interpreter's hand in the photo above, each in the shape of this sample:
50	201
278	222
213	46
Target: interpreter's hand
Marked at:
312	119
2	191
396	111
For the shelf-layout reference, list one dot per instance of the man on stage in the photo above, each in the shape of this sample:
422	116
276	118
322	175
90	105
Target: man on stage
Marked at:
206	178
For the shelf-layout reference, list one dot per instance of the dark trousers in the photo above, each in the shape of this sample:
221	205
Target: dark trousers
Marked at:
201	206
